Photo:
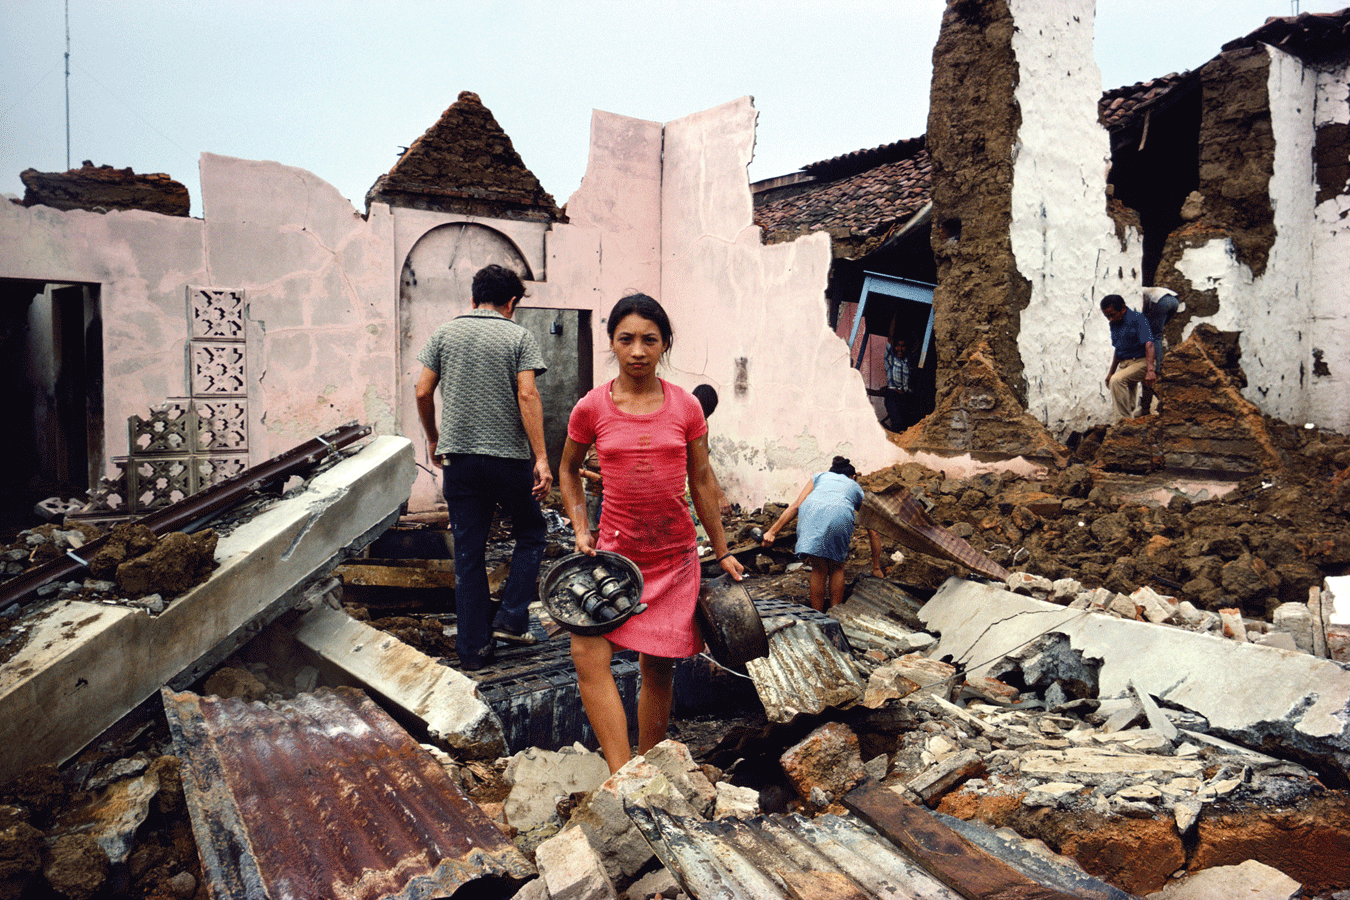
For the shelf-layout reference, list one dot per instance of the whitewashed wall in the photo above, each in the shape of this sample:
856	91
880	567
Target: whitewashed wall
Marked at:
1273	311
1328	404
795	401
1064	241
1066	244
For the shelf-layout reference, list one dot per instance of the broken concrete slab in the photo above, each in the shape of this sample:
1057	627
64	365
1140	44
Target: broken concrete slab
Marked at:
1290	703
623	851
1250	880
442	699
571	869
85	664
540	778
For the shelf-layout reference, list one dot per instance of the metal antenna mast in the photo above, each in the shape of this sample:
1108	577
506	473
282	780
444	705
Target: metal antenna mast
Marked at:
67	85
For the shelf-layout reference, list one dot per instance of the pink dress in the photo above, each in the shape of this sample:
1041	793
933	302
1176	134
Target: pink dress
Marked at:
644	463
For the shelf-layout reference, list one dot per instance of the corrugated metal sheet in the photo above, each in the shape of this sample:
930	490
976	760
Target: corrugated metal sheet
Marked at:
899	516
783	856
326	796
878	613
804	672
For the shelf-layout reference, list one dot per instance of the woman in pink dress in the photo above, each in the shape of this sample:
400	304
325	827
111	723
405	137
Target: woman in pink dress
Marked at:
650	436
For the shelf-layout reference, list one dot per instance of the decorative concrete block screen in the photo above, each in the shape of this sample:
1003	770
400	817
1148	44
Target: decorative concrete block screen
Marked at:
191	442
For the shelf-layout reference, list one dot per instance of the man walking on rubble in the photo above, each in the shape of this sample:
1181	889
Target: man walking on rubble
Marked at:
490	443
1160	305
1132	360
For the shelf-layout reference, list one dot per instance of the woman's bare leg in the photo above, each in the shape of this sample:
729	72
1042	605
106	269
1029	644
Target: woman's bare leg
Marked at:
820	574
836	583
654	699
591	654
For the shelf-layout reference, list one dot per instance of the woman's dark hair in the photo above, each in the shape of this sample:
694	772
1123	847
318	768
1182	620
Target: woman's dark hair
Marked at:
706	395
645	307
841	466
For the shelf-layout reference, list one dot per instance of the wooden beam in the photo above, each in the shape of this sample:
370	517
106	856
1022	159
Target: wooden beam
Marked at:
941	852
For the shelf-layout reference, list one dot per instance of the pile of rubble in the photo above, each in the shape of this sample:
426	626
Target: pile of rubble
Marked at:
1151	698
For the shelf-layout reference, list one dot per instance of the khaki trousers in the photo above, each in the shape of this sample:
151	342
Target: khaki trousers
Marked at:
1125	383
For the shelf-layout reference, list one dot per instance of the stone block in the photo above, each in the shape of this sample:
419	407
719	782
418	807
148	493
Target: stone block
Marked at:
1123	607
903	676
1064	590
1281	639
736	802
540	778
1026	583
623	852
1297	620
571	869
674	761
1250	880
1155	607
1233	626
827	758
942	776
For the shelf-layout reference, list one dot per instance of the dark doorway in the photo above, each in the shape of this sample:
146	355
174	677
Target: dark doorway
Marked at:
564	337
51	362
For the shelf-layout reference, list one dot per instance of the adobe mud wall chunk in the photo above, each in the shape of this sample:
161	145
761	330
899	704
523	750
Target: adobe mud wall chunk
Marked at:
1236	163
103	188
972	121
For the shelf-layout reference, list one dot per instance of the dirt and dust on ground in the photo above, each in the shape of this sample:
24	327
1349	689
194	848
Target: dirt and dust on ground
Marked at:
1253	543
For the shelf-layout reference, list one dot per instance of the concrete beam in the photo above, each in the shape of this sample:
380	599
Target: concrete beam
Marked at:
442	700
85	665
1283	702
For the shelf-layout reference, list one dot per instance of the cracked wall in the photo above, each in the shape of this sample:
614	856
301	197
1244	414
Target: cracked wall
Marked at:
1018	151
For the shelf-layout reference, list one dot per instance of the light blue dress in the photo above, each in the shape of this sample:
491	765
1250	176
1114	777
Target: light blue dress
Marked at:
826	517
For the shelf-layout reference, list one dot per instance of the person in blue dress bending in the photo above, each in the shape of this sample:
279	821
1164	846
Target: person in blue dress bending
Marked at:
826	509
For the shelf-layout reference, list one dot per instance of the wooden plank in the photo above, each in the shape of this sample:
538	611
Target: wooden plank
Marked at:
941	852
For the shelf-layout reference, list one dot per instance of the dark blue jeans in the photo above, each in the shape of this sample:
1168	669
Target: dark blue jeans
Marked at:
475	486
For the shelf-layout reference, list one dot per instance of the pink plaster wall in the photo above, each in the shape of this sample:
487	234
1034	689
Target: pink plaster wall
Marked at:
663	209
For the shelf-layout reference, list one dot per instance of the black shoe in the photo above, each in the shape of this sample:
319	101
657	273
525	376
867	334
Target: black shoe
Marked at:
475	661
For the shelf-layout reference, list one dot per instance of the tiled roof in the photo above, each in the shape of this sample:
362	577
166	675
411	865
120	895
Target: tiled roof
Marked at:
1313	37
862	205
861	196
465	163
1116	106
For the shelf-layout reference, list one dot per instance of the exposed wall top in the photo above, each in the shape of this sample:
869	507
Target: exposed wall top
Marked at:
465	163
103	188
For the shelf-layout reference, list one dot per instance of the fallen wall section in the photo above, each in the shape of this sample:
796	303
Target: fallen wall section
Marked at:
85	665
1282	702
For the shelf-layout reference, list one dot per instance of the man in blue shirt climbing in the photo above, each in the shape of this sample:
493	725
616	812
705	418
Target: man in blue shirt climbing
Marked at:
1132	361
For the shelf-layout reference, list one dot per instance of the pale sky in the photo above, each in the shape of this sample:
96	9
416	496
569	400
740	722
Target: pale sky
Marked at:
337	87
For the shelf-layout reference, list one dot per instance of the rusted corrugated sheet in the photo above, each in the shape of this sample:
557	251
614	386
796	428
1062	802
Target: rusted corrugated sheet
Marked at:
783	856
326	796
900	517
804	671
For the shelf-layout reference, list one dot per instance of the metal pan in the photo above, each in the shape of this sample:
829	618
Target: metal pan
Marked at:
730	624
576	568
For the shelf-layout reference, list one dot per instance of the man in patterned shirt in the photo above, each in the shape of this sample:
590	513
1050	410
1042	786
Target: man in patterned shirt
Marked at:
490	443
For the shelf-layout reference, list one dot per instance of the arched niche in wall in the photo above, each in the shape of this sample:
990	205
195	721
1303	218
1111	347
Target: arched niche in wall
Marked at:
434	287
